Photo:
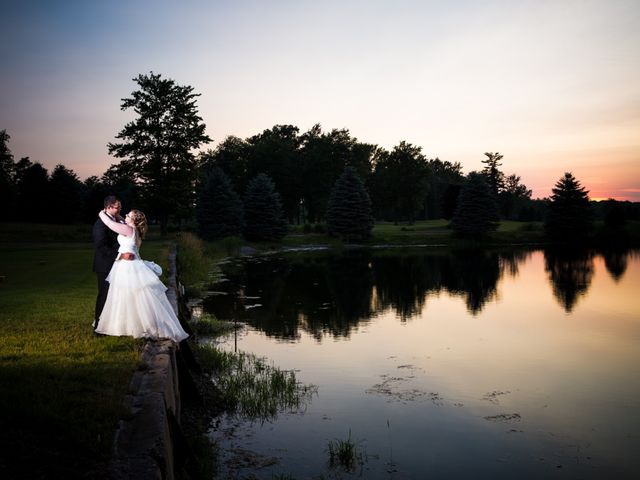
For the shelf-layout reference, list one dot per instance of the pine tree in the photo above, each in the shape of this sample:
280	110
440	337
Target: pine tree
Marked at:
219	208
349	208
569	217
263	214
477	210
492	172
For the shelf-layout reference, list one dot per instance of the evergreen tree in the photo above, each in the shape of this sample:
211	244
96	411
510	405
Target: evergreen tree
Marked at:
495	178
349	208
219	208
477	210
263	213
569	217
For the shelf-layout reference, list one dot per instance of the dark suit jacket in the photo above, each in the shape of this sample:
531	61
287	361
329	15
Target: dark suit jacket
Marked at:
106	246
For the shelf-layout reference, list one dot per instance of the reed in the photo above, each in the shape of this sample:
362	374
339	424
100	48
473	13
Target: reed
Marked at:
346	454
251	387
207	325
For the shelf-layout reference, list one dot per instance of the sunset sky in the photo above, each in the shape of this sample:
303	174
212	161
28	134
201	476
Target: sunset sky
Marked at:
552	85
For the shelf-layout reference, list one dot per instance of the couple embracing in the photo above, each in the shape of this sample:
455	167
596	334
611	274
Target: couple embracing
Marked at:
131	299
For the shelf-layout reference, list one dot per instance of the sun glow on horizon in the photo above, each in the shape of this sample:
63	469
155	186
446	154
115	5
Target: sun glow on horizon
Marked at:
554	87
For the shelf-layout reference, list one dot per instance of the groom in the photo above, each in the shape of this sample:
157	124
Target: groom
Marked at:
106	251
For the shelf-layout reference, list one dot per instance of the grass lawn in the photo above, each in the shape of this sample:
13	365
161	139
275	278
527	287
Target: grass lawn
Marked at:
61	388
428	232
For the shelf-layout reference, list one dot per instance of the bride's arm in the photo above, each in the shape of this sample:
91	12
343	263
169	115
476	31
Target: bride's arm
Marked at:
121	228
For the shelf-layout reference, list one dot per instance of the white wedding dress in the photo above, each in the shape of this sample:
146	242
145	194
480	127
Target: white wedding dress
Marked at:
137	304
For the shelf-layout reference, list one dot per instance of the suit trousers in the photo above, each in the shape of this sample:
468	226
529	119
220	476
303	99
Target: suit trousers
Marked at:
103	289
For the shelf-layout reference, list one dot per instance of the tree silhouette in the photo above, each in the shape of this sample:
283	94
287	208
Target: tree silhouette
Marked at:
34	201
477	210
157	144
444	182
8	191
219	208
615	217
349	210
513	196
400	182
569	215
495	178
263	215
276	153
230	156
67	189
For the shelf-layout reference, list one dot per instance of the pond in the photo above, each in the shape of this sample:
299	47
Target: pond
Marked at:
440	364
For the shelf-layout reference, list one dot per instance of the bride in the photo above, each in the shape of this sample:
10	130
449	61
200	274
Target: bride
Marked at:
136	303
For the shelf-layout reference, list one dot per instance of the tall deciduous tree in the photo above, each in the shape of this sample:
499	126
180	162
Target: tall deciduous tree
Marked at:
349	209
513	197
34	200
445	180
477	210
276	153
67	189
8	191
219	208
569	217
157	144
263	214
400	183
230	156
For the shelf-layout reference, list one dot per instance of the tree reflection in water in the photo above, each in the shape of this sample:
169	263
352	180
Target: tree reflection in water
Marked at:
615	260
570	272
332	293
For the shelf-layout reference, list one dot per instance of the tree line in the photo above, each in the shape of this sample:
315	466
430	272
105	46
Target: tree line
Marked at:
159	173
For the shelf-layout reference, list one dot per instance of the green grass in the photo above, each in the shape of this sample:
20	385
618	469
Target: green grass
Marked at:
61	388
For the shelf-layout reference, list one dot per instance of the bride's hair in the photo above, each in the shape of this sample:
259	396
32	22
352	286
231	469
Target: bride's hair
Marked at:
140	222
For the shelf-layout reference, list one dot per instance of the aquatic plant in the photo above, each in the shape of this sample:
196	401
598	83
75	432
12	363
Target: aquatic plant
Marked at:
252	388
346	454
209	325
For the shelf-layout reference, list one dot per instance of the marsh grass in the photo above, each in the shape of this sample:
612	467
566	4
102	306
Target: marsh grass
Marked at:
252	388
210	326
61	389
346	454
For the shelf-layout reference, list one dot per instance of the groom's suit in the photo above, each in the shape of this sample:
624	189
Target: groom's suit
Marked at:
105	242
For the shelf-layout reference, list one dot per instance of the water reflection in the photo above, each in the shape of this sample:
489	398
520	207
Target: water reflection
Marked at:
333	293
570	273
616	262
